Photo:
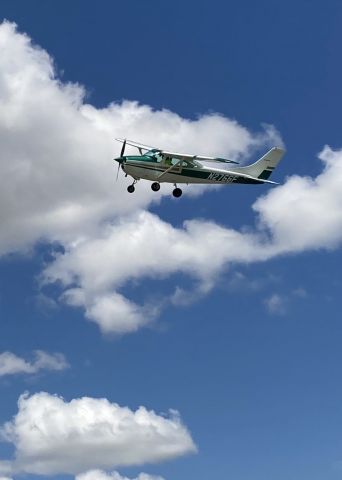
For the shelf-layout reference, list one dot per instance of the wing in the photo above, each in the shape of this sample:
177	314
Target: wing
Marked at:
194	158
136	144
180	156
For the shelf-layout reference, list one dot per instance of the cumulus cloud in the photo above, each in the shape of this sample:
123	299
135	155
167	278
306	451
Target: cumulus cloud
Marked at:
53	436
5	469
302	214
56	150
11	364
101	475
305	213
56	155
101	266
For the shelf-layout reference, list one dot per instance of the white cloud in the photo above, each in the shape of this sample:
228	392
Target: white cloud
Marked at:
11	364
47	361
279	303
56	158
53	436
302	214
144	246
5	469
276	304
56	151
101	475
241	282
305	213
56	155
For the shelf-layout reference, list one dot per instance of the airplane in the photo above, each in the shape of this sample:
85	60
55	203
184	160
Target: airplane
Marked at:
161	166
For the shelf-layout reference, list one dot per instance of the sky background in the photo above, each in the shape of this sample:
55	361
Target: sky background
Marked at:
254	365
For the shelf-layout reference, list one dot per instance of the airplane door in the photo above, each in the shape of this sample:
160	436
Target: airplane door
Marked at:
168	162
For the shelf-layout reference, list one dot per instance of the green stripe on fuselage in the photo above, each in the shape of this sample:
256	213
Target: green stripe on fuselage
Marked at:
140	158
195	173
265	174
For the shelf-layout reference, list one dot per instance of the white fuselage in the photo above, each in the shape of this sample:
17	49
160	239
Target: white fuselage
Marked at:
180	174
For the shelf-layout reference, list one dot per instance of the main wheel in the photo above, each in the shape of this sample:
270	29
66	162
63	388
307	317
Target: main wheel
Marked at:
130	189
177	192
155	186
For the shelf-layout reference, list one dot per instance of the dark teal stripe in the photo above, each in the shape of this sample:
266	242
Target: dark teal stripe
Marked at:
200	174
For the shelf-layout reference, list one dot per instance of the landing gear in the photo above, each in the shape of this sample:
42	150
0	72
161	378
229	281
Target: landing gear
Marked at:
131	188
177	192
155	186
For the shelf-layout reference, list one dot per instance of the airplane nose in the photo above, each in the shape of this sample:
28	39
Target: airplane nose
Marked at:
120	159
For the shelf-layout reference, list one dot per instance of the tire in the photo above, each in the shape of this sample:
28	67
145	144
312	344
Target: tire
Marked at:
155	186
177	192
130	189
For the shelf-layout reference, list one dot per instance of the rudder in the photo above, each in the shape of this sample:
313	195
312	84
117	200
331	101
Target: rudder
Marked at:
264	167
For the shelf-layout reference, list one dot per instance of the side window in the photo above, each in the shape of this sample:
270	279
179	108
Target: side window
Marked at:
156	157
168	161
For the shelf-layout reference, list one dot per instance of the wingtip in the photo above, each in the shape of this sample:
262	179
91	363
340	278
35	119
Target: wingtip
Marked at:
281	149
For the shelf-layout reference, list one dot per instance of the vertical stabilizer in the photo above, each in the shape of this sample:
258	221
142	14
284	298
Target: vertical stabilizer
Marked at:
264	167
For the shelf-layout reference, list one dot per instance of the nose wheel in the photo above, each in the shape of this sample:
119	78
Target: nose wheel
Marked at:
155	186
131	188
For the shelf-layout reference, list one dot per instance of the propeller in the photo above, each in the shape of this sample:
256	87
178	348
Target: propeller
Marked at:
123	148
118	159
117	173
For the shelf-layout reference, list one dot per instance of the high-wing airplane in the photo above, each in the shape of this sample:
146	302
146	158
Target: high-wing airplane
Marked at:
161	166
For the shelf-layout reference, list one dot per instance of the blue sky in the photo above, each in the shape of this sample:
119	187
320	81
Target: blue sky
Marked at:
252	360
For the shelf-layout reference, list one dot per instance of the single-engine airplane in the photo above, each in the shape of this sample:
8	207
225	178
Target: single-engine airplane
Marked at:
160	166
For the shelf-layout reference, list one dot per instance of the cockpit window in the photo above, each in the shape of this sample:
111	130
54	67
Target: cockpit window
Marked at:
154	155
169	161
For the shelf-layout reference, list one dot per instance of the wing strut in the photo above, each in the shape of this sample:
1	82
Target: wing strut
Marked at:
169	169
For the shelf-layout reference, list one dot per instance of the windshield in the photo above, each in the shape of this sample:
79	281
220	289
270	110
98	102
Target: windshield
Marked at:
151	153
154	155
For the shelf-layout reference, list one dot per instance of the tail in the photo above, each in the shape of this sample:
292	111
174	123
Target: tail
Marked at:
263	167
